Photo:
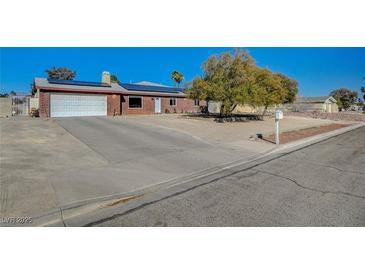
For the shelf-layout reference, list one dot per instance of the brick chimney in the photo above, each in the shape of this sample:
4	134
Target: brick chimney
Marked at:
105	78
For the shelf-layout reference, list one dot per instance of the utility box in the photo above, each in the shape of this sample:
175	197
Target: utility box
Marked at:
278	115
34	103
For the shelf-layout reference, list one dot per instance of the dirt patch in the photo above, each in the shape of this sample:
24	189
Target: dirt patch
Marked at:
290	136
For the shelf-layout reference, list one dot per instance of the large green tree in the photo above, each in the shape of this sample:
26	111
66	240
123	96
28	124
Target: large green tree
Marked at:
267	90
177	77
290	86
345	97
233	79
226	79
61	73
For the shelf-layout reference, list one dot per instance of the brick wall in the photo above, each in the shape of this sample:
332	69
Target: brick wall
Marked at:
182	105
148	106
44	99
113	104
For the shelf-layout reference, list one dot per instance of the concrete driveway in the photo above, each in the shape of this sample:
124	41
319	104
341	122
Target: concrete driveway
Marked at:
135	155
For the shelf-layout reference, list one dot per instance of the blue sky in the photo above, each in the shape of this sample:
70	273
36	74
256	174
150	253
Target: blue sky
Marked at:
318	70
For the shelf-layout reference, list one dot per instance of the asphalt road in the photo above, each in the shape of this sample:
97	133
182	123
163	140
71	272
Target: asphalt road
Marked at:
321	185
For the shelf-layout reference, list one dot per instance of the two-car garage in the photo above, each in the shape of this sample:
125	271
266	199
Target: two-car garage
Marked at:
69	98
72	105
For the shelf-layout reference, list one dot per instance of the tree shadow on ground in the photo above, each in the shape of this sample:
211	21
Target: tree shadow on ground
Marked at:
237	117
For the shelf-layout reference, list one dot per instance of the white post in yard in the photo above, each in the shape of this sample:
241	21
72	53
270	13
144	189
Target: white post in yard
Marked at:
278	116
277	140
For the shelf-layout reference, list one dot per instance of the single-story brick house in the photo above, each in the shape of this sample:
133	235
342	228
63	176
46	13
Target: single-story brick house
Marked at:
65	98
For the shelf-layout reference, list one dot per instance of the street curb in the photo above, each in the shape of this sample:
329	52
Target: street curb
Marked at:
58	216
317	138
111	207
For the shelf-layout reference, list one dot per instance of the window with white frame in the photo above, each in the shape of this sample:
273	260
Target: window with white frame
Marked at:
173	102
135	102
196	102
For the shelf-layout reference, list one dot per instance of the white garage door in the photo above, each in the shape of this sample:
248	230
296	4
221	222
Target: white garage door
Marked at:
69	105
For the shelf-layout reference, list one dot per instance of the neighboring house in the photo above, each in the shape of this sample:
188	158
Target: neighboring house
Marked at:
326	104
64	98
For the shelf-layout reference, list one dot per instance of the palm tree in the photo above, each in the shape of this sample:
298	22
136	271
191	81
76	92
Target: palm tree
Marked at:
177	76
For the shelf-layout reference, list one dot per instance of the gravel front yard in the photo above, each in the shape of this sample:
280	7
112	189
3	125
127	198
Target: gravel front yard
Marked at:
290	136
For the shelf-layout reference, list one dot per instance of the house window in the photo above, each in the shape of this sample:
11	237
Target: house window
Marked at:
135	102
172	102
196	102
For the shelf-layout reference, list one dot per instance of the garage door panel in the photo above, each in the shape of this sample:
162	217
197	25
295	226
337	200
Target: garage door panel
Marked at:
70	105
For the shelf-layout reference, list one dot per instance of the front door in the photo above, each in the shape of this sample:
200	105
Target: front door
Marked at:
157	105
